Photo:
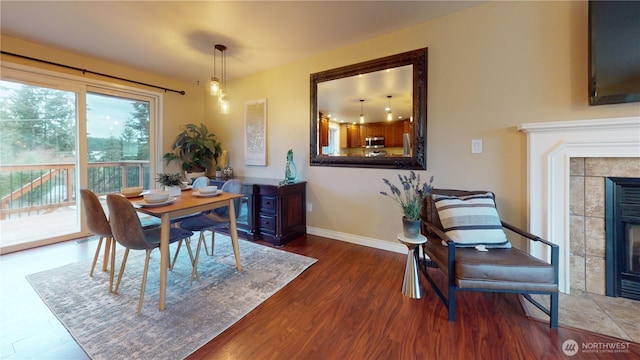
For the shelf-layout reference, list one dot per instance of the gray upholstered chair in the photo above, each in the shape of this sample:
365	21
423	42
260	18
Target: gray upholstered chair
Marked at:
98	224
200	182
210	222
506	270
128	232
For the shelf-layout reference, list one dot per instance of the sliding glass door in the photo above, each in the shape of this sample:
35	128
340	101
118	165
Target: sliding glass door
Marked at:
118	142
57	136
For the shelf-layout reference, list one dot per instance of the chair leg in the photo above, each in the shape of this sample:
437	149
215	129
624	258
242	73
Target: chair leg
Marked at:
105	261
452	304
213	239
194	271
124	263
113	264
144	282
95	257
188	241
175	256
206	249
553	311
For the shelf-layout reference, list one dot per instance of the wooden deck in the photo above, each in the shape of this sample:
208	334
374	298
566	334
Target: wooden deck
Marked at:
39	227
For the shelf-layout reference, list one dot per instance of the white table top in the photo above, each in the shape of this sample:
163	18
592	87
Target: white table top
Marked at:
421	239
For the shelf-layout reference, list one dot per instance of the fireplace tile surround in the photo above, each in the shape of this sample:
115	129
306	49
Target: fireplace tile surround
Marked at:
587	219
551	146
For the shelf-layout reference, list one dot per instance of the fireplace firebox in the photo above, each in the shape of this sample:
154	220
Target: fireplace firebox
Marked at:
622	231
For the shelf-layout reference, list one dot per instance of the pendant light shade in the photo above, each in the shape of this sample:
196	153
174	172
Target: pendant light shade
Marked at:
388	109
224	103
361	111
217	85
214	86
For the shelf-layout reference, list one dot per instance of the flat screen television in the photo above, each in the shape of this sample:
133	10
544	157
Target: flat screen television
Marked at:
614	52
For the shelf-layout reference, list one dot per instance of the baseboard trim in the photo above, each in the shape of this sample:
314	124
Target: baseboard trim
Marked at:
359	240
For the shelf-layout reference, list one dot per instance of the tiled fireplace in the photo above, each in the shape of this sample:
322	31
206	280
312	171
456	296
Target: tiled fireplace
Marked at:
555	152
587	217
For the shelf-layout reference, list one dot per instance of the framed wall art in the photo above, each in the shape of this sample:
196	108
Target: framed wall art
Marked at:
255	132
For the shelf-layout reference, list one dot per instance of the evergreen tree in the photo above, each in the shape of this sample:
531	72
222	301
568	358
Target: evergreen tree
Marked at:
35	121
137	127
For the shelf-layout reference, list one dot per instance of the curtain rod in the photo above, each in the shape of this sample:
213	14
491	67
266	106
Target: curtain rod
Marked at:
84	71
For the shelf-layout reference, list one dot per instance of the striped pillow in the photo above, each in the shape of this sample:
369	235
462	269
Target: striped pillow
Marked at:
471	220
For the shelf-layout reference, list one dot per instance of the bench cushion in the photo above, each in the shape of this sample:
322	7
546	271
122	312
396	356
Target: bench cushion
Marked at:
497	269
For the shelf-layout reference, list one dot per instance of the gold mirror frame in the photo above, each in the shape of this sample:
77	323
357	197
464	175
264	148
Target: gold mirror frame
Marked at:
418	159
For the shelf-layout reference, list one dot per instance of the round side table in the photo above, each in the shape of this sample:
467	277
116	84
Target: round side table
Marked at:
411	283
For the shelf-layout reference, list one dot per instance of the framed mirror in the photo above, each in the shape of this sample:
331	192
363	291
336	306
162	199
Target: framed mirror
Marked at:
371	114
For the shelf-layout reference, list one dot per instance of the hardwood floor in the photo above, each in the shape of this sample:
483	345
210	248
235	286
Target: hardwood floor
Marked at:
346	306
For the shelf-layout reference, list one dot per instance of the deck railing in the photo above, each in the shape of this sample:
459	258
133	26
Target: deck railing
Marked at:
27	190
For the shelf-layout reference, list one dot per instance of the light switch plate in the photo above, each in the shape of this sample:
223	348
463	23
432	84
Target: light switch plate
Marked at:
476	146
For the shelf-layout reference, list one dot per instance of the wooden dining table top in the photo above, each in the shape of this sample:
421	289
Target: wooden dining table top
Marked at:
186	200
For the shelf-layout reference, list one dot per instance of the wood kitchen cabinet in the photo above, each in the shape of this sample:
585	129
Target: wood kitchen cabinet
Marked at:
395	131
270	211
353	136
323	132
389	135
392	131
350	136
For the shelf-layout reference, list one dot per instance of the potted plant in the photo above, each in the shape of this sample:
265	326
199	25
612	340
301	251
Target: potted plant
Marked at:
218	171
410	200
196	147
171	183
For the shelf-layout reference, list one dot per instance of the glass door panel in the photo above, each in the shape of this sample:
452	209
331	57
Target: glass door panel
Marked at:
117	142
38	164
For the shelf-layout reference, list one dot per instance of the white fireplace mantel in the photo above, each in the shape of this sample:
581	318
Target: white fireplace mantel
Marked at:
550	146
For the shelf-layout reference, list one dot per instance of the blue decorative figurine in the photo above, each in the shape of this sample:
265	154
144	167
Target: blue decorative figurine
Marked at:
290	170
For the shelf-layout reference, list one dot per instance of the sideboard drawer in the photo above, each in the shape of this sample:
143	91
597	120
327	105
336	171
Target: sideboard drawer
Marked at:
268	223
268	204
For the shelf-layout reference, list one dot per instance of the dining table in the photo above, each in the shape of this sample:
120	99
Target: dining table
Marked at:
189	202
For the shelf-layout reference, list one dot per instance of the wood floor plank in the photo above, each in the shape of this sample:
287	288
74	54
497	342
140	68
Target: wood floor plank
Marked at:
348	305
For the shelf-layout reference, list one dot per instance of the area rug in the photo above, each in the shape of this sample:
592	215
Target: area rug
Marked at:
105	325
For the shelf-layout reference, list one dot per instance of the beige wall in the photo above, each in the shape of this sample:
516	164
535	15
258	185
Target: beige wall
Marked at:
491	67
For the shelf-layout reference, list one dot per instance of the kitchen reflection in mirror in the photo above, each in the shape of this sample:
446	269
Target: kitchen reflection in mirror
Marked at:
371	114
368	115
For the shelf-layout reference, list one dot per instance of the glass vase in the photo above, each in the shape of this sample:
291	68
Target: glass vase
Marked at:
291	171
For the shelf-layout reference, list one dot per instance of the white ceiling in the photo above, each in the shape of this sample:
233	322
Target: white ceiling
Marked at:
340	98
176	38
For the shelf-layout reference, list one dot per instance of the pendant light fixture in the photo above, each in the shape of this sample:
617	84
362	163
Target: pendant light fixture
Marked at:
217	86
361	111
388	109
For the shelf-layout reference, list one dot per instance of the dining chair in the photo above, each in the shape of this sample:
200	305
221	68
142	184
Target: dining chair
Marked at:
128	232
217	218
97	222
200	182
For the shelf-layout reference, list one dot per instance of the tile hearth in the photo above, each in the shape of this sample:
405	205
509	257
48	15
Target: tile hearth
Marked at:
615	317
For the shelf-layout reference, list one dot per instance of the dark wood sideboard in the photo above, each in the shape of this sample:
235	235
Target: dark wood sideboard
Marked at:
270	211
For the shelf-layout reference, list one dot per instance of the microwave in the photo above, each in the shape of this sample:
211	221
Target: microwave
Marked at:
374	142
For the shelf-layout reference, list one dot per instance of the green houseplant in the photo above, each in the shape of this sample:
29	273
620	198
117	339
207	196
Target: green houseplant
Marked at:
195	146
171	183
169	179
410	199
